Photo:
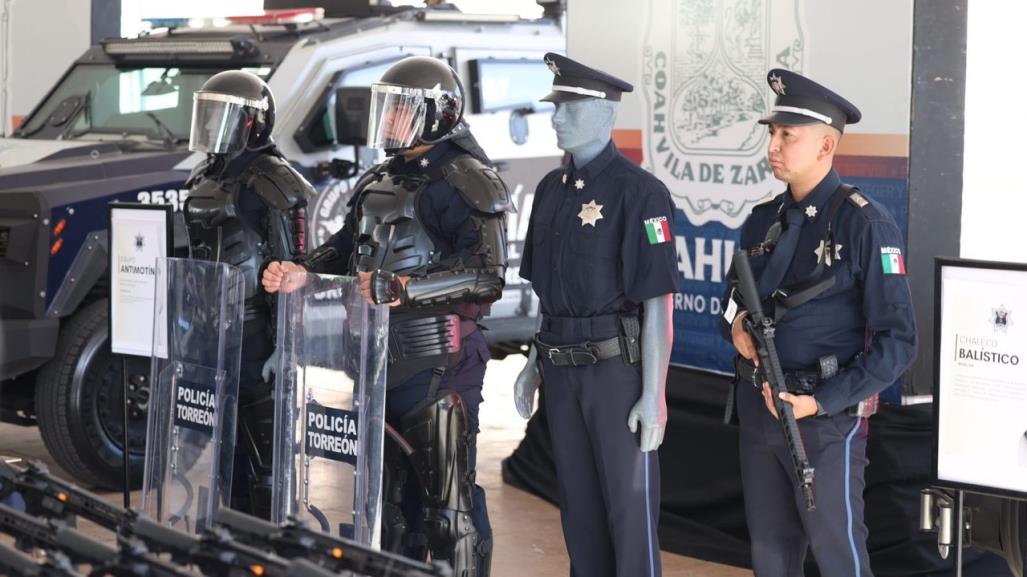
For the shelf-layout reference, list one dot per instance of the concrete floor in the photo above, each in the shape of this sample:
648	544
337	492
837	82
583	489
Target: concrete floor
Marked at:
528	537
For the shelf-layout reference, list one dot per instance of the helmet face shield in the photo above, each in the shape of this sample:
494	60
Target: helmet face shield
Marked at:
397	117
221	123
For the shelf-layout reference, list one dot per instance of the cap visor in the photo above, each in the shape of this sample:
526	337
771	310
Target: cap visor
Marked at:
561	96
788	119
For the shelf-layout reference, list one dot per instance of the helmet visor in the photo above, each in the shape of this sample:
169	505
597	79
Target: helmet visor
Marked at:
397	117
221	123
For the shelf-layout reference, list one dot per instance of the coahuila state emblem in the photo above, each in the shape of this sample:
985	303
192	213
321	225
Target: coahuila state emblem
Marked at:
1001	319
704	73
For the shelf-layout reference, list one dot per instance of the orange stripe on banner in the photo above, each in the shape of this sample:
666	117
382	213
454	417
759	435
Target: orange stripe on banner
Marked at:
629	143
891	149
889	145
627	138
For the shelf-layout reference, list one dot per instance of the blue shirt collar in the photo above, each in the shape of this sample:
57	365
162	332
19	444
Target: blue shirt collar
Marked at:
818	198
589	173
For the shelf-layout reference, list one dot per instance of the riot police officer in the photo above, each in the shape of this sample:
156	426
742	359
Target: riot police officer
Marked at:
426	233
828	262
246	207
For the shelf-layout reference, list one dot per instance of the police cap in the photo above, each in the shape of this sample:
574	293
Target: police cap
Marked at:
802	101
575	81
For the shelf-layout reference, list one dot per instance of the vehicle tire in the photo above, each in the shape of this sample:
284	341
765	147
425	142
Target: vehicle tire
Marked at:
78	400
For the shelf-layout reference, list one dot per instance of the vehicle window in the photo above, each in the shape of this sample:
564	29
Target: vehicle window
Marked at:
155	102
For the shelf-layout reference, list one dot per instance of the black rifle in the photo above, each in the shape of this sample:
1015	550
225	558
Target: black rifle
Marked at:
214	552
14	563
131	559
295	540
48	497
762	329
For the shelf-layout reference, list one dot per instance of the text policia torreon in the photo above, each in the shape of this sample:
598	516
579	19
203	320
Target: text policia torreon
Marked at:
195	407
332	433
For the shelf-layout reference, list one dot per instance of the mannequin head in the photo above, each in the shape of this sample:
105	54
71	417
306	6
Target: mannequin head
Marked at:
583	127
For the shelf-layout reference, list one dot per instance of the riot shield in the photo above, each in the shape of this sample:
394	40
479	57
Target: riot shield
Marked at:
190	432
329	407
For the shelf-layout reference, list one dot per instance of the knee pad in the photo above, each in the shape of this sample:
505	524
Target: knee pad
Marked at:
439	437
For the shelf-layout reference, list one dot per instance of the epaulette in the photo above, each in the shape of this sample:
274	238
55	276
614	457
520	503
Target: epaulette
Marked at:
858	199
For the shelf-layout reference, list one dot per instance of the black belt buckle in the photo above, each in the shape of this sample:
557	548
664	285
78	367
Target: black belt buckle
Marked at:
575	356
588	354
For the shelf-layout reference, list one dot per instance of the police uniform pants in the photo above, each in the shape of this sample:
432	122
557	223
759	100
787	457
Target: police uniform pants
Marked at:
780	527
609	488
466	378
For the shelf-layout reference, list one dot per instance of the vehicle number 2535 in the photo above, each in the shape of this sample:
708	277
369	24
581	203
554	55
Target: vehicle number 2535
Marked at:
175	198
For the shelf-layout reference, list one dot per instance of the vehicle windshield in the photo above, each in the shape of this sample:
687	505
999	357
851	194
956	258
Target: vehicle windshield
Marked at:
102	101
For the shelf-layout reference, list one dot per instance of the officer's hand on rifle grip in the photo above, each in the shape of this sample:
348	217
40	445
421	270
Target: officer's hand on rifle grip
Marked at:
802	405
743	340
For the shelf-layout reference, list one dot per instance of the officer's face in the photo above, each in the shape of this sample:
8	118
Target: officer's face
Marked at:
580	122
794	151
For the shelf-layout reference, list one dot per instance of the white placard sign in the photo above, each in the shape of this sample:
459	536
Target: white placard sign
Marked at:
981	394
138	235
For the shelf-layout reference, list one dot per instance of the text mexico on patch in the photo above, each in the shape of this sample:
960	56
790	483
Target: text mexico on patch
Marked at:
657	230
891	260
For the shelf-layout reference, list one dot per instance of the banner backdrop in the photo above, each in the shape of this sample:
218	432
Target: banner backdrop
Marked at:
699	68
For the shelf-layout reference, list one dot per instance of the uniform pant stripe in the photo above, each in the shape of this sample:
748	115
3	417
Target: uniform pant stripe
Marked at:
649	519
848	494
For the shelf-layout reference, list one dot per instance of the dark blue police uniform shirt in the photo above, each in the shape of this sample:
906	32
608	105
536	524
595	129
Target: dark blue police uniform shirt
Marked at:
869	303
581	270
442	211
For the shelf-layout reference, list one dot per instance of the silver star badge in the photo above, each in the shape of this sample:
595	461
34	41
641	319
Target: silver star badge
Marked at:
579	184
831	254
563	178
552	66
776	85
811	211
424	163
590	213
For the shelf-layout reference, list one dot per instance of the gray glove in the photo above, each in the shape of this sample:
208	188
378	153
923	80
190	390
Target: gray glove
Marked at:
528	380
271	365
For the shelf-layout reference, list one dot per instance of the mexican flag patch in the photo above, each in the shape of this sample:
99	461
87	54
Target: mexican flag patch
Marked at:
657	229
891	260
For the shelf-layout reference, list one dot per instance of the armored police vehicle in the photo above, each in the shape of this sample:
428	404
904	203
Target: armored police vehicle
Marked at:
116	128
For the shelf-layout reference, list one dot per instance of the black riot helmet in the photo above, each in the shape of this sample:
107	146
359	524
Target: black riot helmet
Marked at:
233	111
419	100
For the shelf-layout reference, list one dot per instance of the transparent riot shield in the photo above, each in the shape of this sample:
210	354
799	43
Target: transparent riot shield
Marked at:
190	432
329	407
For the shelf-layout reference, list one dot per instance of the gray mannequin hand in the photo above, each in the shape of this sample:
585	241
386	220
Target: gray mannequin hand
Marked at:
650	411
270	365
525	386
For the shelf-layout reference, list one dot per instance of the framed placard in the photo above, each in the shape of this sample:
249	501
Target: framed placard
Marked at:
139	233
980	388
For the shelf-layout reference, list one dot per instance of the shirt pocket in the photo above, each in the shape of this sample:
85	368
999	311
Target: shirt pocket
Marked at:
593	256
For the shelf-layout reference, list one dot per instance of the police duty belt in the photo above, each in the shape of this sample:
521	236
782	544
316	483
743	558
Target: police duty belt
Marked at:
581	354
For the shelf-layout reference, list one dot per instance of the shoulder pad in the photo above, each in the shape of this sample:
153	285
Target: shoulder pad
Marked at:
278	183
373	173
479	185
197	172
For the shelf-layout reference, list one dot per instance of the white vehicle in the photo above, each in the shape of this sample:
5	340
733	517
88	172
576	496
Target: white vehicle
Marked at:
115	127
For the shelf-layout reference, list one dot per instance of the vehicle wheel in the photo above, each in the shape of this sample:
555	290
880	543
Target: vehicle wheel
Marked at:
79	399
